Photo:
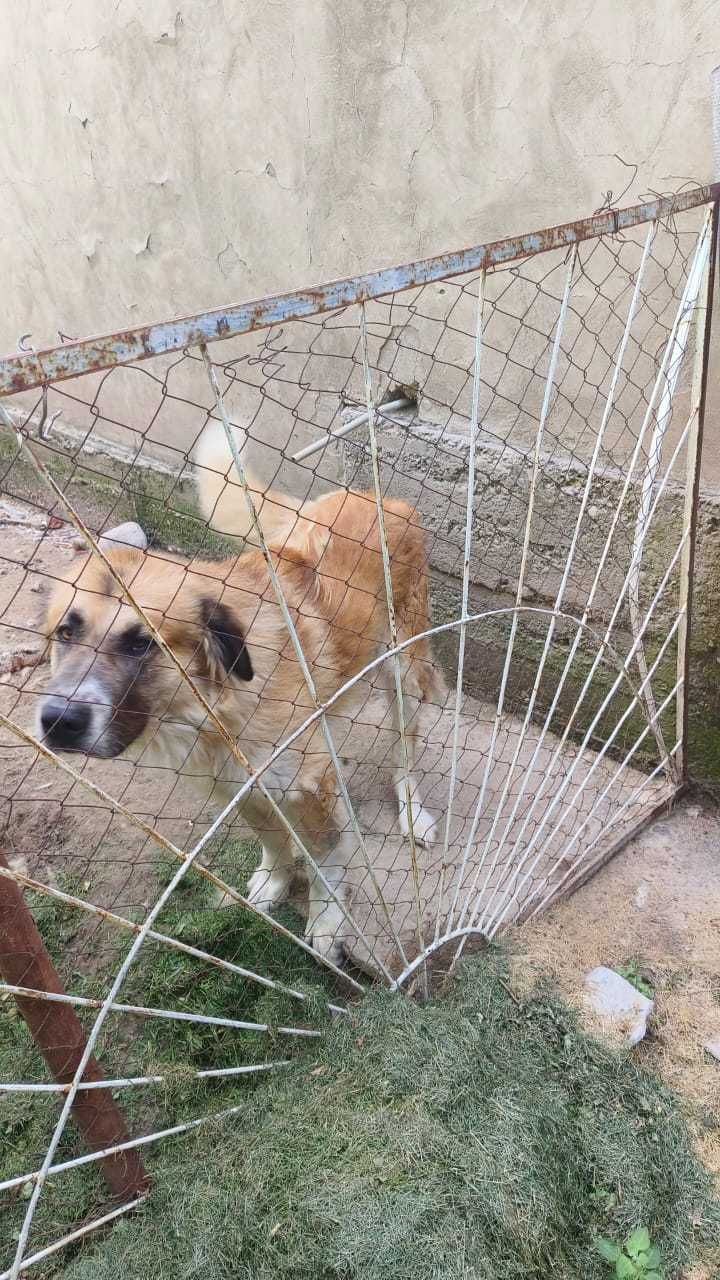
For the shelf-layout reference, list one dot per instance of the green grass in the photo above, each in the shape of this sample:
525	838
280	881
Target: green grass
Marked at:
636	1258
169	515
161	978
634	973
105	492
479	1135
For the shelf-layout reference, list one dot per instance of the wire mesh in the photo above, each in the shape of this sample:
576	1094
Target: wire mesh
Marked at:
328	647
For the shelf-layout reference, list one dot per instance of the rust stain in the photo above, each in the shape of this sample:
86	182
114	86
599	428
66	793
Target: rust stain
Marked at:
22	372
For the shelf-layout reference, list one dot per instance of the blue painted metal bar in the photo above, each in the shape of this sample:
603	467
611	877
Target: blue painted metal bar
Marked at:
25	370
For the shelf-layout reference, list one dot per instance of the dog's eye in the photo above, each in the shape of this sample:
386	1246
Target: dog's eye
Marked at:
136	643
71	626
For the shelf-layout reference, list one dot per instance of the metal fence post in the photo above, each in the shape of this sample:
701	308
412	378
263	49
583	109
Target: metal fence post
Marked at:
60	1037
715	99
707	302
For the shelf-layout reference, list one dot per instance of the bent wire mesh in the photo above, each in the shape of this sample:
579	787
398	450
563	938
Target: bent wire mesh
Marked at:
350	625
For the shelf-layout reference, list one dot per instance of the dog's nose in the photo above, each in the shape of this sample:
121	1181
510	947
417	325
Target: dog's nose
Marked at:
65	723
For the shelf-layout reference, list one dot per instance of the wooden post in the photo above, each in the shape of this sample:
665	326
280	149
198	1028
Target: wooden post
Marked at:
59	1035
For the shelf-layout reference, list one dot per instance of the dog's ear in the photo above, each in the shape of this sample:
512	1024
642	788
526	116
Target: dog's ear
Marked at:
225	640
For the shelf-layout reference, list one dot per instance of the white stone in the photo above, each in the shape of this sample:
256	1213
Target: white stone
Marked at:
129	535
622	1008
642	894
712	1046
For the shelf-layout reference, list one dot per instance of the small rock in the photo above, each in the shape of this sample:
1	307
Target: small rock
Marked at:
642	894
712	1046
128	534
622	1008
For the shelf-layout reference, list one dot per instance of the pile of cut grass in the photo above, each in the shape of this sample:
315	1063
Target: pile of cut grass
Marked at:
161	978
480	1135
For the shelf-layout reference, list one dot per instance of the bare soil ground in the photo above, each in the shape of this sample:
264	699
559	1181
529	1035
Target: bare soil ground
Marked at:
658	904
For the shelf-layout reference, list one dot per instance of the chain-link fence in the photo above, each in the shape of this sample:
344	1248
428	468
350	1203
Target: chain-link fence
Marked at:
337	630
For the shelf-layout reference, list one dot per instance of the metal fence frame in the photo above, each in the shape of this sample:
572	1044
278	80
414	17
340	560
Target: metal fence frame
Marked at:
27	370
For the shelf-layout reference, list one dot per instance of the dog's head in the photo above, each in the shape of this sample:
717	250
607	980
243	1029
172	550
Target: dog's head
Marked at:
110	679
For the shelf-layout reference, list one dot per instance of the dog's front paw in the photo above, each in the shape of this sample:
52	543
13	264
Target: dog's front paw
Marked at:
324	933
331	949
266	888
425	828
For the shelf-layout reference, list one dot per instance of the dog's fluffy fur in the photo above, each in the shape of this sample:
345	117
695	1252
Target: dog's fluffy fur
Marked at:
112	691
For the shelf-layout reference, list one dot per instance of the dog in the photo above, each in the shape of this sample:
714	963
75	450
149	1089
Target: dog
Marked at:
113	691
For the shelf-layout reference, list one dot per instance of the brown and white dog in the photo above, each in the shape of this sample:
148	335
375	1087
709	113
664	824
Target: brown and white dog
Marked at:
113	691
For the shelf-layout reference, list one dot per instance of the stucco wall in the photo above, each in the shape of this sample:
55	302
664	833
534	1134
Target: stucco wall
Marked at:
159	158
163	158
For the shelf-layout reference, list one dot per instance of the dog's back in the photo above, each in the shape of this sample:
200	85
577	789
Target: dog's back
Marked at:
329	558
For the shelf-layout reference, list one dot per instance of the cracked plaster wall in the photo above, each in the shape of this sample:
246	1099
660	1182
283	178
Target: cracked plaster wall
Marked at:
159	159
168	157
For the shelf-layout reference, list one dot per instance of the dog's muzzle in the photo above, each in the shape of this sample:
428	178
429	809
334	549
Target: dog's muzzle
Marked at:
66	725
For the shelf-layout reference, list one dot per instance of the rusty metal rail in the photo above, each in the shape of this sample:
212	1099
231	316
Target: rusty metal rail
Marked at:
60	1038
27	369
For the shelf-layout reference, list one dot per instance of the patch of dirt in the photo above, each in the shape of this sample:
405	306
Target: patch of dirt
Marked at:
656	904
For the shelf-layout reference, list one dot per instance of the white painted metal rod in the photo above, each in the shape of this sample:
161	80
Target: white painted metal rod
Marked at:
715	115
111	917
609	405
662	421
469	508
40	1176
126	1082
500	709
569	774
614	819
312	691
564	855
487	920
461	935
457	935
392	626
529	770
78	1234
391	406
174	1015
549	769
